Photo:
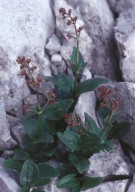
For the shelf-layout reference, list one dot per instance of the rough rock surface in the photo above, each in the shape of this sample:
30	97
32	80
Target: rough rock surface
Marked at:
87	101
24	31
132	186
126	91
7	179
12	87
119	6
99	27
19	135
125	38
53	46
6	141
103	164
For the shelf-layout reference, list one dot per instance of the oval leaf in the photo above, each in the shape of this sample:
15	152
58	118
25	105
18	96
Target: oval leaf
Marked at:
68	181
46	171
13	164
90	182
88	85
21	155
70	139
58	109
80	163
29	173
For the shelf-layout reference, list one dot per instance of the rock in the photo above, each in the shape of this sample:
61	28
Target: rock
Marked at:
12	87
53	46
19	135
126	92
12	121
25	29
125	38
53	188
7	179
56	58
116	186
87	101
132	186
86	45
6	141
7	154
109	163
119	6
99	27
57	65
32	21
105	163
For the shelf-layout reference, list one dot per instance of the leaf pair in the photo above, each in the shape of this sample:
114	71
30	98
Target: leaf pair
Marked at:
78	184
36	175
66	84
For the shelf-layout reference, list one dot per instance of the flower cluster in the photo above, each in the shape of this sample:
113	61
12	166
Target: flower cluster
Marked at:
71	20
51	97
28	70
107	98
72	120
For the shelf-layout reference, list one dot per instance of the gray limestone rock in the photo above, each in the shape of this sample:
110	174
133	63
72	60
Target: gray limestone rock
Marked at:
87	101
119	6
6	141
53	46
99	22
126	92
7	179
113	163
125	39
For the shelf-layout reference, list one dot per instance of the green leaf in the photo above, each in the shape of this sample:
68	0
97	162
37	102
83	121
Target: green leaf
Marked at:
91	125
20	154
42	182
88	85
58	109
49	126
90	182
80	163
115	116
68	181
119	130
46	171
103	114
89	142
106	146
47	138
76	188
25	189
77	66
63	82
29	173
37	190
70	139
31	128
13	164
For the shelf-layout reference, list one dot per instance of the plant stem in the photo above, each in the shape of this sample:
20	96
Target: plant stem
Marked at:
108	122
38	99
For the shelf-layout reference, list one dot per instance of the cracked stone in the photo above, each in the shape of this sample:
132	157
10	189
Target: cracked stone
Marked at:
119	6
53	46
6	141
7	179
125	39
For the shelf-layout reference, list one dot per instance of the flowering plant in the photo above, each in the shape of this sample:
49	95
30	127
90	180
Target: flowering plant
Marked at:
54	123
